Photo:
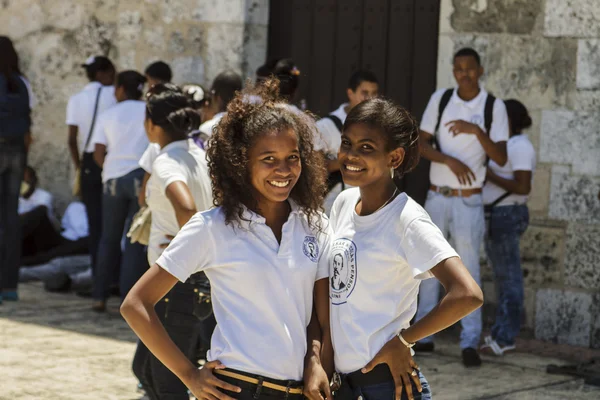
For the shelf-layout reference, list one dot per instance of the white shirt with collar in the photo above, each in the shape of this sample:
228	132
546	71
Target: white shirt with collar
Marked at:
331	137
182	161
39	197
376	264
149	156
80	110
262	291
208	127
521	157
121	130
75	222
464	147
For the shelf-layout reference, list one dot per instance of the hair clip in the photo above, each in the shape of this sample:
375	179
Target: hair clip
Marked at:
140	87
295	71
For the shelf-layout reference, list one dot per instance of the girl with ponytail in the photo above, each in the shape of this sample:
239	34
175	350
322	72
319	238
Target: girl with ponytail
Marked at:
119	142
383	244
178	187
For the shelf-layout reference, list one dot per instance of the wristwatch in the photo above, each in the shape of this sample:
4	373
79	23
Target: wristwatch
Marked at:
404	342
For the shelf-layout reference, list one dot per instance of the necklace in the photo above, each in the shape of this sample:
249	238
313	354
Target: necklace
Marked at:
387	202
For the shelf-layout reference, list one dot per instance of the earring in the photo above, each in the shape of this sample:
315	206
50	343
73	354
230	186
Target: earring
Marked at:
392	170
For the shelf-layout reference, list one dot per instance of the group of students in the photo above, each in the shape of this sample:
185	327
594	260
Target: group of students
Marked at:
299	299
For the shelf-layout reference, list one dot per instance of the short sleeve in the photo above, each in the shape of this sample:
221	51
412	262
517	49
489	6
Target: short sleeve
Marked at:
323	263
499	129
166	171
521	156
99	134
72	112
430	116
329	139
182	258
149	156
423	246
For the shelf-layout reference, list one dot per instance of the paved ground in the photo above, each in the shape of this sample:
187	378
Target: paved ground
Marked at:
52	347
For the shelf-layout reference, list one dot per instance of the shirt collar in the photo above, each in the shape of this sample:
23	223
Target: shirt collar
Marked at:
92	85
178	144
249	215
473	103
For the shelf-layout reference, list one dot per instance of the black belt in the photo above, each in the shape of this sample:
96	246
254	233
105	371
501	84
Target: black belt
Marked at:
380	374
261	382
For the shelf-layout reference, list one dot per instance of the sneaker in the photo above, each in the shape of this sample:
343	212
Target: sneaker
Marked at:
424	347
470	357
10	296
497	349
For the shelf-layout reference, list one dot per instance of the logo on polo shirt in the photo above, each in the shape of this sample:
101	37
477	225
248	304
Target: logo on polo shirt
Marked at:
342	270
477	119
311	248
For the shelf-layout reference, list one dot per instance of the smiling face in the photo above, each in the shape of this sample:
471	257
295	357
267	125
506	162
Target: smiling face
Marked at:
364	156
274	166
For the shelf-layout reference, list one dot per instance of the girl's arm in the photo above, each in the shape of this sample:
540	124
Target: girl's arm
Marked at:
181	198
99	154
463	296
521	184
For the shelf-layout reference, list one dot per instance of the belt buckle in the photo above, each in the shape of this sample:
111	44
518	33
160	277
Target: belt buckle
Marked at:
445	191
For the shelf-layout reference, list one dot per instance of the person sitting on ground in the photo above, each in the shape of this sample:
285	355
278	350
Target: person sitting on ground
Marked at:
42	241
158	72
32	196
62	274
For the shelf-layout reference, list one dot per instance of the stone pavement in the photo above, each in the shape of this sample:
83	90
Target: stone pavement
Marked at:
53	347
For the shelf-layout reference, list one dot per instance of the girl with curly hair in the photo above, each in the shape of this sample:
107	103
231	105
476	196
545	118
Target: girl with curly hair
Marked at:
263	249
383	245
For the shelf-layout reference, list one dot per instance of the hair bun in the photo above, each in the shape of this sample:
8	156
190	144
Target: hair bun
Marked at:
184	120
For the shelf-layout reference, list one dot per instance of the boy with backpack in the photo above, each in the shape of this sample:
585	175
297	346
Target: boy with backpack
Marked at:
468	127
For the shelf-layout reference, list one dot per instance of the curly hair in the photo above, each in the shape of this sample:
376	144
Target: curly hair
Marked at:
255	111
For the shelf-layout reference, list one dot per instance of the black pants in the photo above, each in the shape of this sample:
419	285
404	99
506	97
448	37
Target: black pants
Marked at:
251	391
175	313
42	242
91	196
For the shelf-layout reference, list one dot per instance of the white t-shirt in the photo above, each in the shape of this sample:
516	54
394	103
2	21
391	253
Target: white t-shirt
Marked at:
376	264
80	110
464	147
262	291
39	197
207	127
331	137
75	222
521	157
121	130
149	156
181	161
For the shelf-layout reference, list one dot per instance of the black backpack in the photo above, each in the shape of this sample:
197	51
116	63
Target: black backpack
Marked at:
15	114
335	177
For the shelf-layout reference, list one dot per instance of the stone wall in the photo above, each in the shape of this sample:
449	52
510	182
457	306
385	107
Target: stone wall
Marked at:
199	38
546	54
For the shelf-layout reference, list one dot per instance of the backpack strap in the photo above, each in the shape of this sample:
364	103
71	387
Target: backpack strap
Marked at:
338	122
441	107
87	142
488	113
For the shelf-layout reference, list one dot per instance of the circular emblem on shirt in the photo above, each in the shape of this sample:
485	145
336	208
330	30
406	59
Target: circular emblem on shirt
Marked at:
311	248
342	270
477	119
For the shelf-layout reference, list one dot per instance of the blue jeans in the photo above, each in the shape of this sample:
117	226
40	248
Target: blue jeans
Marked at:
12	168
119	204
462	219
383	391
507	224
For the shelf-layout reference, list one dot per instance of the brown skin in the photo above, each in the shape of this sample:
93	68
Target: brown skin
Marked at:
367	149
273	156
520	184
467	73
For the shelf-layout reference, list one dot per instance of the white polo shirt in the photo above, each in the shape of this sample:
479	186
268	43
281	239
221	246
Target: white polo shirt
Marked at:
149	156
464	147
39	197
376	264
331	137
121	130
181	161
207	127
75	222
262	291
521	157
80	110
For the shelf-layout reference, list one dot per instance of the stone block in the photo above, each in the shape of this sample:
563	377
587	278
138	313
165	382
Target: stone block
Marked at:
540	190
222	49
20	18
583	256
574	198
528	320
66	14
516	16
542	250
595	334
446	11
586	100
569	137
232	11
572	18
563	317
257	12
255	54
588	64
129	27
177	43
188	69
154	38
538	71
